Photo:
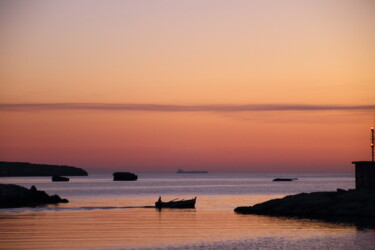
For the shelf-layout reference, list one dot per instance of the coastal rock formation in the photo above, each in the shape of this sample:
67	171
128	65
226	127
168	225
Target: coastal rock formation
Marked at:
285	179
17	196
58	178
325	205
29	169
124	176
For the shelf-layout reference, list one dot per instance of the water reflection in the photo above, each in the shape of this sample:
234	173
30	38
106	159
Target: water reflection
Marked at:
104	214
139	227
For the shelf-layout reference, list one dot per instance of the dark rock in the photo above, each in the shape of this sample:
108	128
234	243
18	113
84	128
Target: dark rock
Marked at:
59	178
17	196
33	188
330	205
124	176
29	169
285	179
56	199
339	190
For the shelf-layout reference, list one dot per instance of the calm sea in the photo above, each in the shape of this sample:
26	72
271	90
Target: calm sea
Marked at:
103	214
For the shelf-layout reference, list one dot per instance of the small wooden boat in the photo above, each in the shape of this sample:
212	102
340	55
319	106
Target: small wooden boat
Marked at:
176	203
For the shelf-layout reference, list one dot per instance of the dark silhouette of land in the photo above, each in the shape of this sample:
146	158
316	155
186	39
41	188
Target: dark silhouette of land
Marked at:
353	206
12	196
341	206
58	178
30	169
285	179
124	176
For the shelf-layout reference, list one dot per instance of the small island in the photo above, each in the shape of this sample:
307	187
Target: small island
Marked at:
285	179
58	178
124	176
12	196
341	205
8	169
354	205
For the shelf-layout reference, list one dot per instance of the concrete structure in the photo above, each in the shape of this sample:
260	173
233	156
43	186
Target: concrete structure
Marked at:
364	174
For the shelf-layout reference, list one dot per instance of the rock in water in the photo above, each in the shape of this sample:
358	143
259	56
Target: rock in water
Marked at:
17	196
124	176
285	179
59	178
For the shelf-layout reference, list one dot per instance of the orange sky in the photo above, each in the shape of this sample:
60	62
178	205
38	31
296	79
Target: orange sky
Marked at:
185	54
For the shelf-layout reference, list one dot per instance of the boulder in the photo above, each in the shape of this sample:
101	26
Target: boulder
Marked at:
285	179
17	196
124	176
56	178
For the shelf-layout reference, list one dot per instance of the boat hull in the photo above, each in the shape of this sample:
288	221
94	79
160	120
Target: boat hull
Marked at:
176	204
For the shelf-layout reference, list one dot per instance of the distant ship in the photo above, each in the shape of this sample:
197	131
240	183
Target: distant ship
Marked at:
181	171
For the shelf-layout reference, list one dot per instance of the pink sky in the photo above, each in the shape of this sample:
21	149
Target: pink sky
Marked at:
152	86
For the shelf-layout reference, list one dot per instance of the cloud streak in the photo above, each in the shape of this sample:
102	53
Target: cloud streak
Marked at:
220	108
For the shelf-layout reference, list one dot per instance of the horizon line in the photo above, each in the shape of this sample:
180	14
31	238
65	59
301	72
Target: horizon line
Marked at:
147	107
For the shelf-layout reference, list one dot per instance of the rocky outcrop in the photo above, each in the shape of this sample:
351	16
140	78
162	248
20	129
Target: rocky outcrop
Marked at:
124	176
58	178
30	169
12	196
325	205
285	179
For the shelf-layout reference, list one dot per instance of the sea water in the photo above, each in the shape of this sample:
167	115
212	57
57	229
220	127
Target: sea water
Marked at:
104	214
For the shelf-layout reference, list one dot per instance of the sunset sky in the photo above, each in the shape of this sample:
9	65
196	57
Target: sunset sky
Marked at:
152	86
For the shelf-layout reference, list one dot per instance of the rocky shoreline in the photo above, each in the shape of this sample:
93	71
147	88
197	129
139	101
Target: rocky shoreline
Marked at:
341	206
12	196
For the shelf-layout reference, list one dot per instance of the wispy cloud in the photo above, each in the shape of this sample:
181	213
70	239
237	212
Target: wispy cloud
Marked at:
179	108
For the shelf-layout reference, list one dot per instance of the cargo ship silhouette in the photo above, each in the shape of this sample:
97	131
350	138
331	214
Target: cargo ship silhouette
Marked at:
181	171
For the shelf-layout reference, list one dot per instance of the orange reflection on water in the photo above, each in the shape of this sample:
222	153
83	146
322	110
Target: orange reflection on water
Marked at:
149	227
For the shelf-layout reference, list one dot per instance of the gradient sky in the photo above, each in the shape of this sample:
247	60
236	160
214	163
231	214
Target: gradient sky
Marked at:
152	86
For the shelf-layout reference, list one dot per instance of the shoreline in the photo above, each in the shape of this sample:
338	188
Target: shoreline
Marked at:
343	206
15	196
